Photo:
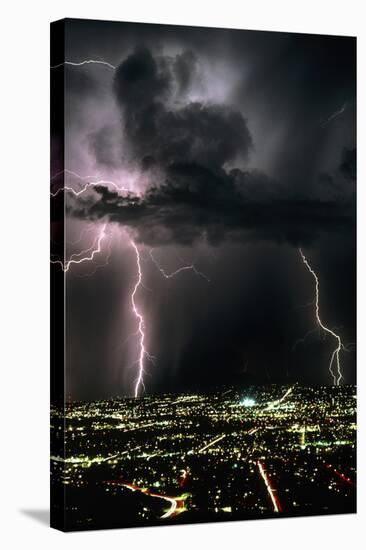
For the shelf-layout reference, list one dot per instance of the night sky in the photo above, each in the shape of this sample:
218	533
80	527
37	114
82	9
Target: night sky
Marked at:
237	147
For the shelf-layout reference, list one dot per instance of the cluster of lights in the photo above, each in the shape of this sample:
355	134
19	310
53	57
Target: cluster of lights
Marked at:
257	443
248	402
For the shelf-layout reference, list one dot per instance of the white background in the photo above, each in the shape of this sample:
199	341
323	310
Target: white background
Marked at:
24	275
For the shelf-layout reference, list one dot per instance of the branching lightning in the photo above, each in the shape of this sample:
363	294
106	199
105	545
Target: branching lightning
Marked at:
99	265
189	267
72	173
85	62
140	333
141	326
90	253
337	374
66	188
86	255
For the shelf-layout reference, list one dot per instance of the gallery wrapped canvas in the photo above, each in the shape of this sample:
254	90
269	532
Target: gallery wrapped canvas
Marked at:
203	260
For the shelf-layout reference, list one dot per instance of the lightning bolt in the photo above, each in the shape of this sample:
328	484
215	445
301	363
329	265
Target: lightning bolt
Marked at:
86	255
85	62
141	326
337	375
66	188
190	267
71	173
334	115
89	254
140	333
99	265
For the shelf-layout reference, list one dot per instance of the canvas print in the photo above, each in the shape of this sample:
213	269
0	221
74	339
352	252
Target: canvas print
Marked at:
203	274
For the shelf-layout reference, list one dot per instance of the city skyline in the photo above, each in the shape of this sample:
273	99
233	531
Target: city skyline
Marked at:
272	451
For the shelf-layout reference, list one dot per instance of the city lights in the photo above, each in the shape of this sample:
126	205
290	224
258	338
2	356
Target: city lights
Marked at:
297	456
247	402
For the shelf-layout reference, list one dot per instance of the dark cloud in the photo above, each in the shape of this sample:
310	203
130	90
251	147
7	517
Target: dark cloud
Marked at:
209	135
140	80
185	69
189	151
102	144
348	164
194	202
292	84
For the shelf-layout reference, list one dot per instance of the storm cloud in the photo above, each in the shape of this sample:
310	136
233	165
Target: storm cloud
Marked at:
189	153
237	147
